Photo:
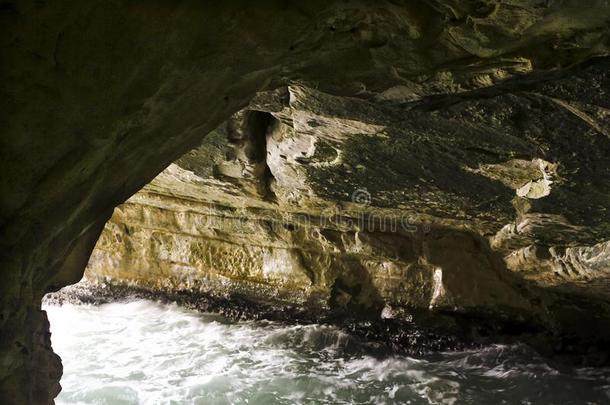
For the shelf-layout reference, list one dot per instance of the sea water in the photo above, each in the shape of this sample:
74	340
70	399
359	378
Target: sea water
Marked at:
143	352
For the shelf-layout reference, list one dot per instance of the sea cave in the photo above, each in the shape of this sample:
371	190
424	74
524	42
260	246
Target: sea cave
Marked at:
355	201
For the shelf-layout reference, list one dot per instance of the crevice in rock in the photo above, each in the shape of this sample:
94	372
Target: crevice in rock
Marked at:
258	124
249	132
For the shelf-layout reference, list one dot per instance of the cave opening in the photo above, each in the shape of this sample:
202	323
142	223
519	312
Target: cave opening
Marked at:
213	291
363	202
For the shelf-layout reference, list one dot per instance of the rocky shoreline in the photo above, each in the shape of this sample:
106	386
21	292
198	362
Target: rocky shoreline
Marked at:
389	335
403	335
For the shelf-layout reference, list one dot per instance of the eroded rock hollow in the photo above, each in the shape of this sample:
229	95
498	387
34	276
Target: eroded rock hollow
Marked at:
440	162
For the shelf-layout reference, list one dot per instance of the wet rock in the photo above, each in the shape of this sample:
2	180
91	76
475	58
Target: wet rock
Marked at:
99	98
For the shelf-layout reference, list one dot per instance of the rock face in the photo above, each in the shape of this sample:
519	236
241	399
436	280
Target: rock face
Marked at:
432	206
505	128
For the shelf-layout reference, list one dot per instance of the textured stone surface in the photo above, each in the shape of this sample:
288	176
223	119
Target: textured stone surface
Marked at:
99	97
386	208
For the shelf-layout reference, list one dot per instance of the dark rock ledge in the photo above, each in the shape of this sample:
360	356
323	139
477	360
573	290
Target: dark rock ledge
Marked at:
416	334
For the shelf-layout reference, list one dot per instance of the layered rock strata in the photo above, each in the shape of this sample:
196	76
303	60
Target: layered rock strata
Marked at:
99	97
357	205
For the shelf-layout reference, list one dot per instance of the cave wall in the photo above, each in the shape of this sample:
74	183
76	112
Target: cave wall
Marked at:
366	205
99	97
167	241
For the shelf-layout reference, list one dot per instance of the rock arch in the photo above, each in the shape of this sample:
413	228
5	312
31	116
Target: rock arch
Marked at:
98	97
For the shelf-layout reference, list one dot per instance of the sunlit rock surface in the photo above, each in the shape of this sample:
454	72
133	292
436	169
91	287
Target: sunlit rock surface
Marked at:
387	208
99	97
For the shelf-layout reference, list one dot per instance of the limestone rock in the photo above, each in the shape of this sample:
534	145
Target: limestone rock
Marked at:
99	97
347	203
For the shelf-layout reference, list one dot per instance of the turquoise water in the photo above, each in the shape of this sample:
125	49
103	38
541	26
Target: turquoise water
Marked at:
143	352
